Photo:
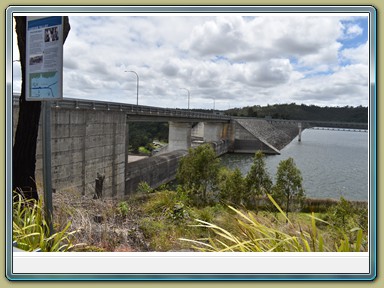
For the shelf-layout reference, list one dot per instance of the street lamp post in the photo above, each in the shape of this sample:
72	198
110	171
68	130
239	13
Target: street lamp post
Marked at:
137	87
188	95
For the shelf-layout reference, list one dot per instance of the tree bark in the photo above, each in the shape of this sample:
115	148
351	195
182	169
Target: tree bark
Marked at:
24	146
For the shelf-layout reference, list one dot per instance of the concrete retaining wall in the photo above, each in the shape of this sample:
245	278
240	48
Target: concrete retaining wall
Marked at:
155	170
161	169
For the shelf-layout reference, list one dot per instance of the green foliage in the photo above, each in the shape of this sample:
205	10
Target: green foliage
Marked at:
258	181
304	112
252	236
31	231
258	234
288	190
232	186
167	204
198	173
347	215
166	214
142	134
347	221
144	150
144	187
123	209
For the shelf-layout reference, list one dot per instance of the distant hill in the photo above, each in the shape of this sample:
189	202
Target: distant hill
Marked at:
303	112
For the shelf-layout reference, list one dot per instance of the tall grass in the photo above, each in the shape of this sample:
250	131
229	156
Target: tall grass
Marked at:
31	231
254	235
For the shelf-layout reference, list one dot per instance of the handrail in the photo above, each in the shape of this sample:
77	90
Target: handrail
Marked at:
131	109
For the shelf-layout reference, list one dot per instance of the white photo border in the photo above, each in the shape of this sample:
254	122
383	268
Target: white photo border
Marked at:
52	259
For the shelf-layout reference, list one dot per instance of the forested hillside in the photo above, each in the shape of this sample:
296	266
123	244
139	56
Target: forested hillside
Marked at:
303	112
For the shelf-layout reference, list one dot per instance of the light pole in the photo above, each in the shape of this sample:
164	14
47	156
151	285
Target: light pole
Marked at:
137	87
188	95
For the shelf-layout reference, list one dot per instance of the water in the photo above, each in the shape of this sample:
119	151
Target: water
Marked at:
332	163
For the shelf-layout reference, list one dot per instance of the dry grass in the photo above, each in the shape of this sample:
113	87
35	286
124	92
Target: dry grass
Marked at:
98	222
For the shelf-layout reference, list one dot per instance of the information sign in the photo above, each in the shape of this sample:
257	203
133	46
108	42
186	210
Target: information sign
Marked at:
44	58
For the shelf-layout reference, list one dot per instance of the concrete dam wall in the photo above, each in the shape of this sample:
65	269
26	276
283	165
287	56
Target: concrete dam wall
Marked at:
84	143
258	134
91	142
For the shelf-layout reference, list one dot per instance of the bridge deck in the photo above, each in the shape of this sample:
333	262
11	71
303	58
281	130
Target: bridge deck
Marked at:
139	112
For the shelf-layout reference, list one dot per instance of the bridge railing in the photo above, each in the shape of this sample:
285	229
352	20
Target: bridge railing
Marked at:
132	109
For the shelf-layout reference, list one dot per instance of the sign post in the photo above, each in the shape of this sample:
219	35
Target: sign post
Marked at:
44	78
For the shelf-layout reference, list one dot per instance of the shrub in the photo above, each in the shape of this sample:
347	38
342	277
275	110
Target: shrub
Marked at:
144	187
123	209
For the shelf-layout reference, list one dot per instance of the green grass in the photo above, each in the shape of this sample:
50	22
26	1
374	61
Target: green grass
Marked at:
31	230
268	232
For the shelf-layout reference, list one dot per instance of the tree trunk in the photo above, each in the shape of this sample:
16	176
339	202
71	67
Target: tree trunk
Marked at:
24	147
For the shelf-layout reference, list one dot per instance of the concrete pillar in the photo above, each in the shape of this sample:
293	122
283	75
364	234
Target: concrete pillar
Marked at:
212	131
179	136
198	130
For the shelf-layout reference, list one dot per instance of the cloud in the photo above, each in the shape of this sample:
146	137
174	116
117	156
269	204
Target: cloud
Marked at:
356	55
237	61
221	36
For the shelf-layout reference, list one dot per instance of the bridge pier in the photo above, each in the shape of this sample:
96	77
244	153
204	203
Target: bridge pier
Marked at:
212	131
179	137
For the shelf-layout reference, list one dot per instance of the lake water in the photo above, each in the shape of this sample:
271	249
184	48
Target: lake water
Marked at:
332	163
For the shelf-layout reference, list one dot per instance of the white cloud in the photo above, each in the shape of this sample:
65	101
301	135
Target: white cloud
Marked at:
232	60
356	55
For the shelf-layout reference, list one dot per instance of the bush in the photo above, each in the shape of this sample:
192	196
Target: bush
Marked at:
144	187
123	209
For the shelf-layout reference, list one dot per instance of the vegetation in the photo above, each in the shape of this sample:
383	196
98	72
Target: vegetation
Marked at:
198	173
31	231
232	186
258	181
255	234
142	135
304	112
288	189
212	209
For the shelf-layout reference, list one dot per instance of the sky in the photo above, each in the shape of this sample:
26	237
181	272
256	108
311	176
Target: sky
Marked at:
219	61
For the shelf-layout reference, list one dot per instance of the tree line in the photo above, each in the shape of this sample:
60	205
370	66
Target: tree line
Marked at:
294	111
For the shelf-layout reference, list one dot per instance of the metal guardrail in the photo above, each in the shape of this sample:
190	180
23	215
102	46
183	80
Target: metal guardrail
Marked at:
134	110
